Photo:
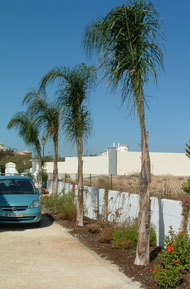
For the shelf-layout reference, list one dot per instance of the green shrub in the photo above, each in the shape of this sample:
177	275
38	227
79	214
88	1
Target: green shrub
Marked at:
175	260
67	206
64	205
186	186
44	177
30	175
121	244
122	236
153	239
169	277
125	234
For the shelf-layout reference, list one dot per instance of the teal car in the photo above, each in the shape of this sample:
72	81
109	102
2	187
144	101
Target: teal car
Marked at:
19	200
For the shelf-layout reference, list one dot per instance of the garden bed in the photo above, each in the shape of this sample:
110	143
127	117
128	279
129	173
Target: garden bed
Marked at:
124	258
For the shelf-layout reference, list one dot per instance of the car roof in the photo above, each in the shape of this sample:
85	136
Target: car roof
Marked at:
15	177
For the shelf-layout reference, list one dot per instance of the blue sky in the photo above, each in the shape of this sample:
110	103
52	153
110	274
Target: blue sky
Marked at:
37	35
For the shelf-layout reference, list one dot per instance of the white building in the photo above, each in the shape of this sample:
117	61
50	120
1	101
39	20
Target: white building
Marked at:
119	148
122	148
2	147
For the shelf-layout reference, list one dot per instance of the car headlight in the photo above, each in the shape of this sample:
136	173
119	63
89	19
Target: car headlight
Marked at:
35	204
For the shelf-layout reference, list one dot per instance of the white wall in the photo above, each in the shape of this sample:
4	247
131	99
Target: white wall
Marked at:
91	165
177	164
128	163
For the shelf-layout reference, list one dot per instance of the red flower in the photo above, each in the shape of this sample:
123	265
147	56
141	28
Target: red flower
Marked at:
151	269
175	261
170	248
174	235
157	270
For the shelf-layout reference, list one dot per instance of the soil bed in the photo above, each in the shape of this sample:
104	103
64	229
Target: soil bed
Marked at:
123	258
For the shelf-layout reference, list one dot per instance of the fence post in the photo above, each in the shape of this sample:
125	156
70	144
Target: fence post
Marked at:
90	180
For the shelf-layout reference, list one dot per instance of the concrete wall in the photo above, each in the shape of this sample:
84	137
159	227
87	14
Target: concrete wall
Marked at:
177	164
91	165
128	163
125	163
164	212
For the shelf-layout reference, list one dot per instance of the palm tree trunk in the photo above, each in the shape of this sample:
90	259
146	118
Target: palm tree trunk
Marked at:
39	172
79	217
142	251
55	168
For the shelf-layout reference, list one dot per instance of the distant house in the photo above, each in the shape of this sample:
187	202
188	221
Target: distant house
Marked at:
2	147
119	148
24	153
122	148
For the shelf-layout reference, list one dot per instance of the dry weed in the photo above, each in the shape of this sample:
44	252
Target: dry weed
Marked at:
163	186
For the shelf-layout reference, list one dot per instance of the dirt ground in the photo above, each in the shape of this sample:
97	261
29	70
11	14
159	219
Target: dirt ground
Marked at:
50	258
123	258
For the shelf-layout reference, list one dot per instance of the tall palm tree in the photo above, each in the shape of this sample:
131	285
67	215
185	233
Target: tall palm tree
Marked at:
29	132
75	84
126	41
47	115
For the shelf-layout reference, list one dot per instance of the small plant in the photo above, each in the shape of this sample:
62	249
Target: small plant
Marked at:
44	177
30	175
175	260
121	244
93	228
126	237
106	235
186	186
185	213
167	278
153	239
64	205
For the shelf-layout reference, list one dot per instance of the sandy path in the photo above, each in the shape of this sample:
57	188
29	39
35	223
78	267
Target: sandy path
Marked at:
50	258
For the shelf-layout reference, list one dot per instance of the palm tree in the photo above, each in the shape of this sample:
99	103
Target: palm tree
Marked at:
187	149
75	84
47	115
30	134
125	40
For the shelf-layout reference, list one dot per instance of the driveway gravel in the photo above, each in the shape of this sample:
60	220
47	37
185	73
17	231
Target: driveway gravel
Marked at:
50	258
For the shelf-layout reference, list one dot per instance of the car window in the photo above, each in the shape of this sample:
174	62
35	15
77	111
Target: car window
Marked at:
16	186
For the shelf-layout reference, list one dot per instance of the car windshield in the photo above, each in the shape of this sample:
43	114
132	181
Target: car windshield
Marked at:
16	186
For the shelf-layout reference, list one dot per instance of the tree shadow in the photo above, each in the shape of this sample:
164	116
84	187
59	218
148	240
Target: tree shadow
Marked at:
154	253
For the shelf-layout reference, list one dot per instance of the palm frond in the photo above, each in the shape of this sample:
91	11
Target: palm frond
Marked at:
127	43
26	128
46	113
74	86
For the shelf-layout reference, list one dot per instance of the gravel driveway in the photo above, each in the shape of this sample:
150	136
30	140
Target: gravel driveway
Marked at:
50	258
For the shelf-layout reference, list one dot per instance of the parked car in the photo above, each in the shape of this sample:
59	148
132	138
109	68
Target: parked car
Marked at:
19	200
